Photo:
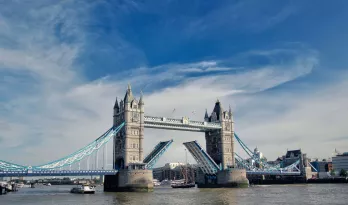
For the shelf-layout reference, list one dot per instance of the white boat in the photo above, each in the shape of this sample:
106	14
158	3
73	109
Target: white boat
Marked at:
8	187
83	189
20	185
156	182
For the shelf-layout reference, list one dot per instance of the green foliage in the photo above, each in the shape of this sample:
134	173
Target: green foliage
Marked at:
343	173
332	173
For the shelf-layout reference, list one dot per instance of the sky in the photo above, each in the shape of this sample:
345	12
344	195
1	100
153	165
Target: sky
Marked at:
280	65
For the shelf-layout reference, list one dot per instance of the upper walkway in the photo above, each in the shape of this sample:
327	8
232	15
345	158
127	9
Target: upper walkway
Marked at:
184	124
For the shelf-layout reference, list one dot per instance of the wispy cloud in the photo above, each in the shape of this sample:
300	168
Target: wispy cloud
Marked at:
48	100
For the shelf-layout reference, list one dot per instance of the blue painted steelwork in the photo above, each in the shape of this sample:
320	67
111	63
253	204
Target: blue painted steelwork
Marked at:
246	148
156	153
241	162
35	173
84	152
10	166
251	154
70	159
207	164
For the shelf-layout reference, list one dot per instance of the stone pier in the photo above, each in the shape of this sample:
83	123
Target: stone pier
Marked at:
231	178
129	181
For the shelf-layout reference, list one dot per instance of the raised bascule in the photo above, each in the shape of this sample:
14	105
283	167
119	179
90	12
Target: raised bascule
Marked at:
128	145
219	165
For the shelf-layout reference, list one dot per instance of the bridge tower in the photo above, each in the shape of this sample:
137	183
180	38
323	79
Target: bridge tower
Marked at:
128	143
220	147
128	148
220	143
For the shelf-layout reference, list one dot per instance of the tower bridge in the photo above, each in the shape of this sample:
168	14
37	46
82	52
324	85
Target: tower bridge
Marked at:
131	170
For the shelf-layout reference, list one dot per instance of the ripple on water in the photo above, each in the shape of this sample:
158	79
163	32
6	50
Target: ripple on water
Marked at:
273	194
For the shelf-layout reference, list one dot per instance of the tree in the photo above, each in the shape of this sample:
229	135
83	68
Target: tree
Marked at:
333	173
343	173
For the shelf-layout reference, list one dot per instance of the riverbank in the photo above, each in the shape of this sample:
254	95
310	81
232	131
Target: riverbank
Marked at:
298	181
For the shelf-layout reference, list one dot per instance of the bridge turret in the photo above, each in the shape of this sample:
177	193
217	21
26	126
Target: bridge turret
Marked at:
116	107
230	112
141	129
128	144
206	116
128	98
220	145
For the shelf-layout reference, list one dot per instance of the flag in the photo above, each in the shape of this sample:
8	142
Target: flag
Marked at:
173	111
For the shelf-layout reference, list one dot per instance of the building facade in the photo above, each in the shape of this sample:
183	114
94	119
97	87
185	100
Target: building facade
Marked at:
292	156
220	143
128	143
321	166
174	171
340	161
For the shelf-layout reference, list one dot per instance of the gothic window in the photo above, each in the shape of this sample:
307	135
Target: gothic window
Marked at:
135	107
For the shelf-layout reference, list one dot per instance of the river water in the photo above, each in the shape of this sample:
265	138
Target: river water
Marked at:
327	194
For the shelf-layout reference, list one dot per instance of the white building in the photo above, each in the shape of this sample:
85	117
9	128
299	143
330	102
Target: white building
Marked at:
340	161
258	154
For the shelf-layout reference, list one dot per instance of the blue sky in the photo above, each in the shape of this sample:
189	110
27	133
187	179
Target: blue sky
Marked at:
281	65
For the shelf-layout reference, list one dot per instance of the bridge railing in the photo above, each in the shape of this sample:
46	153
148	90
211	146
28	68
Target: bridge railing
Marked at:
183	121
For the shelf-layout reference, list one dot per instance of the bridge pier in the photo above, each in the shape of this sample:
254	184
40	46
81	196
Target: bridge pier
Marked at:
134	179
231	178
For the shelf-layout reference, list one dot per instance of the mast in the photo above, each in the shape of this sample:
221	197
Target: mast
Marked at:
186	167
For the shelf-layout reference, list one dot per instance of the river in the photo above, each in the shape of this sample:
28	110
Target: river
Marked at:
273	194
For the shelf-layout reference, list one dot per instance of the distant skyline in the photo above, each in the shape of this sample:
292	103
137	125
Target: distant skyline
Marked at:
281	65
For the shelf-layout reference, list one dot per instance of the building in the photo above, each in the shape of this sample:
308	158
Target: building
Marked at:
173	171
320	166
340	161
294	155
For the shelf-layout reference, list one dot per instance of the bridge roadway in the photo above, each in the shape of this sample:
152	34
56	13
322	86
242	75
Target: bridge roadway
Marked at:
35	173
110	172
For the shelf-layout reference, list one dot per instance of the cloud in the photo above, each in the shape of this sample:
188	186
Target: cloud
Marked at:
255	17
312	120
50	107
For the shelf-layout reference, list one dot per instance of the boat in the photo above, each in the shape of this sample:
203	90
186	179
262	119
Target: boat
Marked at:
10	187
83	189
183	185
188	181
156	182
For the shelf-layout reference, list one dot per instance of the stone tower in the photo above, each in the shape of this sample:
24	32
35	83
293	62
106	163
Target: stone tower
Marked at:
220	143
128	143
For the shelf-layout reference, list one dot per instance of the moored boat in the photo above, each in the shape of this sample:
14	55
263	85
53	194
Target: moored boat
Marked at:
184	185
188	181
83	189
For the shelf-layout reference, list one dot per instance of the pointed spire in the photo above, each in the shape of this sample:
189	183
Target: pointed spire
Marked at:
230	111
206	114
129	95
141	102
116	106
